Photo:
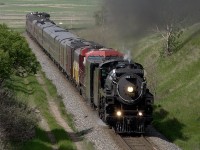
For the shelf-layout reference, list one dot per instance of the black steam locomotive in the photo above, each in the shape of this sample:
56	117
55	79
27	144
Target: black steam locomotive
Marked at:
114	86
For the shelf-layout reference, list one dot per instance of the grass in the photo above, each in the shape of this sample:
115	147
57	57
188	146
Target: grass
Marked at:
58	99
31	92
72	13
67	116
177	105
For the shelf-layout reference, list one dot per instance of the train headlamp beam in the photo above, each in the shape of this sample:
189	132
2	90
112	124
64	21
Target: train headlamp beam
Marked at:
130	89
140	114
118	113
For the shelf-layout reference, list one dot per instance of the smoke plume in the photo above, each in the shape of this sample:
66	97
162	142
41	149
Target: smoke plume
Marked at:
136	17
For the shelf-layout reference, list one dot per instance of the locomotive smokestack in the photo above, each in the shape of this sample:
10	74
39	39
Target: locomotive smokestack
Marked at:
128	56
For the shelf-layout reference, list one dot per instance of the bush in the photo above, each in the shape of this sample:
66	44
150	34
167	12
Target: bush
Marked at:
18	121
15	54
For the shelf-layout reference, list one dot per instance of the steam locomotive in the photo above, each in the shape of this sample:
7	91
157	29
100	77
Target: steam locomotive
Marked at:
114	86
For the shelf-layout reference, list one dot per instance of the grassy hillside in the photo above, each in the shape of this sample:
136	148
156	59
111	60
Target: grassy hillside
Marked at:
176	82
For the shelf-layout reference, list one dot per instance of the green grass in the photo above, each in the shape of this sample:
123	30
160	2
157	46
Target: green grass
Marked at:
72	13
40	142
177	113
30	91
58	99
41	102
67	116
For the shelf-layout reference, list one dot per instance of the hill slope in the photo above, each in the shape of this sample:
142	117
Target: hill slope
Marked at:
176	82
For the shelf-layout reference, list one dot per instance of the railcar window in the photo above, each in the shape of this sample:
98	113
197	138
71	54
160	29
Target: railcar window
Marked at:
113	57
95	58
104	73
103	77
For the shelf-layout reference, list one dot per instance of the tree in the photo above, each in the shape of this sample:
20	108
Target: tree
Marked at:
4	65
15	54
171	37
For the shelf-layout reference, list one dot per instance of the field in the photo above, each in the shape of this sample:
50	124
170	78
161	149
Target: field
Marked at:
71	13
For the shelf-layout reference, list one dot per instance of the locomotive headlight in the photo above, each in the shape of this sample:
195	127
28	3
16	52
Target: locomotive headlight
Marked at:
130	89
140	113
118	113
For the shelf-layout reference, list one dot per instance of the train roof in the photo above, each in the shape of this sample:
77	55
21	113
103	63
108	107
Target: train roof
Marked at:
101	55
65	35
62	35
121	61
104	53
44	25
59	33
84	50
37	16
74	42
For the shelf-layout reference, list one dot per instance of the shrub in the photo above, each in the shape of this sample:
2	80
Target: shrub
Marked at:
15	54
18	121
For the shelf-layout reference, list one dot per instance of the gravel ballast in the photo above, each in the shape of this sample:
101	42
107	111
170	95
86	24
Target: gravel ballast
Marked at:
86	120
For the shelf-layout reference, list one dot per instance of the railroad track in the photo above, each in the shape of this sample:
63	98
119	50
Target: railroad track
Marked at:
134	142
138	143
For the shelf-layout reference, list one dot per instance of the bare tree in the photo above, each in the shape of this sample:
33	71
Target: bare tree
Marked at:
171	35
